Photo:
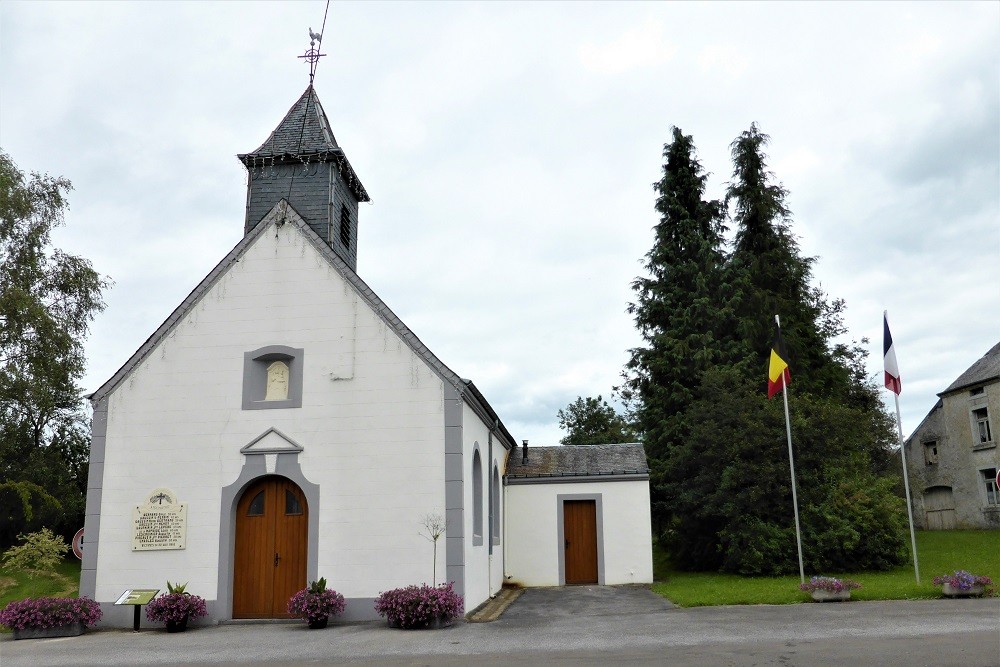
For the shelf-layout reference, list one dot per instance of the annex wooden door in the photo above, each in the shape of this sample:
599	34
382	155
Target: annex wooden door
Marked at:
272	533
580	541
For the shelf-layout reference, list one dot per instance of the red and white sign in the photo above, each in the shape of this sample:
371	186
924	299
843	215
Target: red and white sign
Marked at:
78	544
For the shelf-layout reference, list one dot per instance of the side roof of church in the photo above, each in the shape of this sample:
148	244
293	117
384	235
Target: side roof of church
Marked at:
283	213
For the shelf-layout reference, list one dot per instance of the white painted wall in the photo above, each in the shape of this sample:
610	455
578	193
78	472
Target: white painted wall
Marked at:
483	570
534	540
373	440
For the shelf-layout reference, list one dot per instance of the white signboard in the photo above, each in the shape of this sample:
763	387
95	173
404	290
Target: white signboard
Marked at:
160	523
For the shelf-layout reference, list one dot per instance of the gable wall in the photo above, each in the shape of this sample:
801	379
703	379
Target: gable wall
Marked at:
371	426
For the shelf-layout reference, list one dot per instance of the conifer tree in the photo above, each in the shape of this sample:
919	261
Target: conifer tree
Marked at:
679	308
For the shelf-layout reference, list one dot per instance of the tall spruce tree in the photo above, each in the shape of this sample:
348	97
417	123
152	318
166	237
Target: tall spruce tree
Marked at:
720	467
680	306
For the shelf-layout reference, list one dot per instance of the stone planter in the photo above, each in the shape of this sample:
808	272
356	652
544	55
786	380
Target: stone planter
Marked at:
950	591
435	623
820	595
71	630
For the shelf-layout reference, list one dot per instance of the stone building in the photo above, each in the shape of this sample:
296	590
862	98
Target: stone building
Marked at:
952	456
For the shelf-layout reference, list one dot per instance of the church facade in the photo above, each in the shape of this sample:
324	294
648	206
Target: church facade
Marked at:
284	425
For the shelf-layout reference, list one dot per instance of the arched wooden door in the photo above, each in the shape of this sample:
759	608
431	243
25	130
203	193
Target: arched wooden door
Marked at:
272	535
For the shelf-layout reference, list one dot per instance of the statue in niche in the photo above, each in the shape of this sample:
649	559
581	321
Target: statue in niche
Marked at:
277	382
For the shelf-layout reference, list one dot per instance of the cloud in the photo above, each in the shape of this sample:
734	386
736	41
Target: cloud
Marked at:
643	46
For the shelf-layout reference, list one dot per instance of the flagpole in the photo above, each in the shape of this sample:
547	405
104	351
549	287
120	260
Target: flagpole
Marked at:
791	463
906	485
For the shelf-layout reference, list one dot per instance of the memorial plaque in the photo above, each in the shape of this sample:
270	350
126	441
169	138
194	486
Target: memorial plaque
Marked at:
160	523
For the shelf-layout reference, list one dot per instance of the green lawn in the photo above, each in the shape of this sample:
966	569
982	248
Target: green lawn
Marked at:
940	552
64	582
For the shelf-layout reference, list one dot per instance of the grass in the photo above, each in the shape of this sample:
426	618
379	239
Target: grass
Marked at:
940	552
63	582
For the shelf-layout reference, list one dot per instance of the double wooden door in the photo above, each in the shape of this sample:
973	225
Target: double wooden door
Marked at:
580	541
272	534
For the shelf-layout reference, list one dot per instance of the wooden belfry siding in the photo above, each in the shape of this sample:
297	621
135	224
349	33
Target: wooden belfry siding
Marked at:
580	541
271	549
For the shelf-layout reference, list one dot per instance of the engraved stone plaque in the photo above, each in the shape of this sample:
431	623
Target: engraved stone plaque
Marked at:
160	523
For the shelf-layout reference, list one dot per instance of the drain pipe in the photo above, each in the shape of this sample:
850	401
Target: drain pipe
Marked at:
488	531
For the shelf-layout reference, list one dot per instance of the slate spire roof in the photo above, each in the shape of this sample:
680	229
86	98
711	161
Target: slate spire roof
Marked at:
304	135
304	130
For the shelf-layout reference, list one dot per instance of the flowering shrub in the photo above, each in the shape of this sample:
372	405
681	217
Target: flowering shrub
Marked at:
418	606
50	613
316	602
963	580
175	607
829	584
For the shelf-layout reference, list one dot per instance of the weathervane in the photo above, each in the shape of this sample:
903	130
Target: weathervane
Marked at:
313	55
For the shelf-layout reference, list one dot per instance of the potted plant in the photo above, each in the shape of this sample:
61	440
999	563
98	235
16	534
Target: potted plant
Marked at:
176	607
829	589
963	584
316	604
420	606
50	617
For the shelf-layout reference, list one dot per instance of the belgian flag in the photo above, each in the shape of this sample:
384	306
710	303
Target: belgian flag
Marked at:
778	375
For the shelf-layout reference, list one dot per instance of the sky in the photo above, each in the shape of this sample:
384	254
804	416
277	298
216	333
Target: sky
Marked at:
509	150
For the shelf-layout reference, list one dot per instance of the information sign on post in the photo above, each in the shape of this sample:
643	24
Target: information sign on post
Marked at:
137	597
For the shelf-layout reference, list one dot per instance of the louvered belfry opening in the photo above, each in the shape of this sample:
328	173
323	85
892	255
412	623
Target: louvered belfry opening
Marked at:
302	163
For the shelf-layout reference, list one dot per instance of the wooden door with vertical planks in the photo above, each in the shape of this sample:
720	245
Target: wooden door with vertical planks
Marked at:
580	541
272	533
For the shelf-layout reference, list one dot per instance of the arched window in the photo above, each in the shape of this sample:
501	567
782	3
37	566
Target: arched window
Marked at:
495	505
477	499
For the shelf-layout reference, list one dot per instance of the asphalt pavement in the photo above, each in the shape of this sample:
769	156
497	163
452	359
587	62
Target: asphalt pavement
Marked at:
585	625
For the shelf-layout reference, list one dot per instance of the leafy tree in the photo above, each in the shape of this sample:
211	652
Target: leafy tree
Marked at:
591	421
47	300
681	307
41	551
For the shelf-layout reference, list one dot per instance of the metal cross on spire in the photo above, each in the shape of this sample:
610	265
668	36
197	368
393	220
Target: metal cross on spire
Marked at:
313	55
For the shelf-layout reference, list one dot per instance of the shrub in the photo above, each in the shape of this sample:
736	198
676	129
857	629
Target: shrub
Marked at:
316	602
418	606
50	613
829	584
41	551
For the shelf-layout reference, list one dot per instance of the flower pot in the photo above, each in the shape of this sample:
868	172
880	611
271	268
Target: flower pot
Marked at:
819	595
177	626
950	591
71	630
318	623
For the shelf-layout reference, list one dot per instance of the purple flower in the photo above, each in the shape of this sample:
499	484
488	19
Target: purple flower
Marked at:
175	607
418	606
50	613
963	580
829	584
316	605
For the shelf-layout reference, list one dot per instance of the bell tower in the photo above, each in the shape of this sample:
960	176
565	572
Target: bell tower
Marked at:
302	163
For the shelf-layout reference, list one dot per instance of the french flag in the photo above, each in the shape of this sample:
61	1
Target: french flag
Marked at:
892	379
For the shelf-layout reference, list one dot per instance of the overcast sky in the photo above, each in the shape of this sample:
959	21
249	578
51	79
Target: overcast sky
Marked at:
509	150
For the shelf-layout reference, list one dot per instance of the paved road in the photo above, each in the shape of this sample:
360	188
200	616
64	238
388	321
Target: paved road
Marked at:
575	626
